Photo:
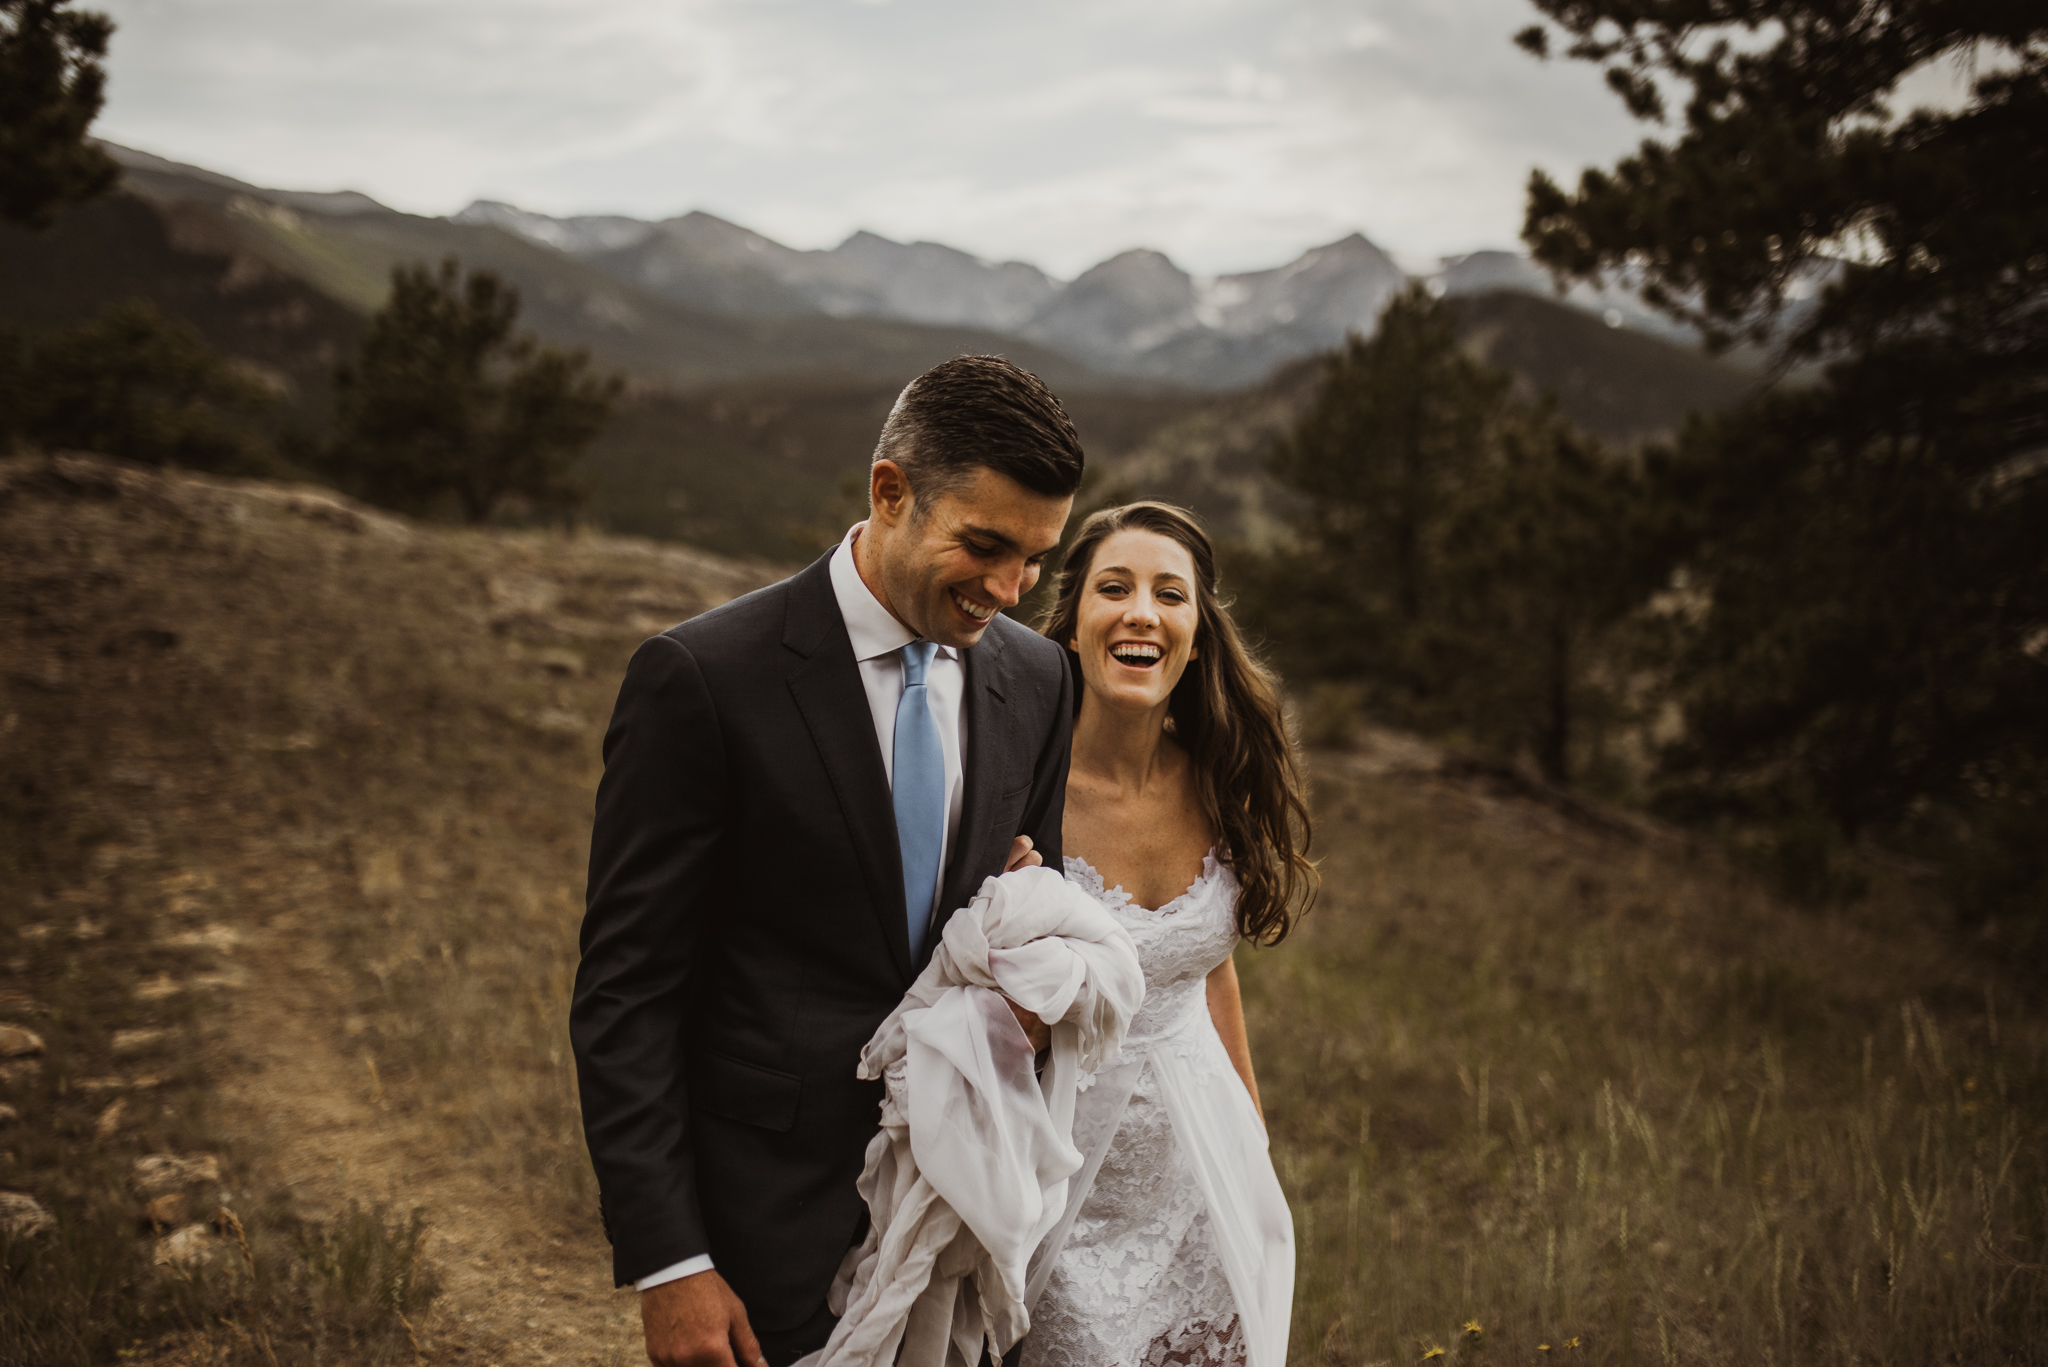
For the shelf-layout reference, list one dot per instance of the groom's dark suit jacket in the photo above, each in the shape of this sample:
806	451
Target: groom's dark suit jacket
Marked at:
745	931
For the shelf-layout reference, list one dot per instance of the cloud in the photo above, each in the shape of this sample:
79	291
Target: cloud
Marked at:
1230	133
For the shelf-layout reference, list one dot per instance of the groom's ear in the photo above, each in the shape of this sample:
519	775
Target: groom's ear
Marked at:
889	495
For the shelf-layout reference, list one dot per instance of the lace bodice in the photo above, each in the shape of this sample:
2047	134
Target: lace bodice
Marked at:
1179	943
1139	1282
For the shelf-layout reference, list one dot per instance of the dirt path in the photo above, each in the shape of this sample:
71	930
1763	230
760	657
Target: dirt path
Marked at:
309	1112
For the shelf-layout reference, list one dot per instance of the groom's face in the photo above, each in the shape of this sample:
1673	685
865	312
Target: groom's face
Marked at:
949	567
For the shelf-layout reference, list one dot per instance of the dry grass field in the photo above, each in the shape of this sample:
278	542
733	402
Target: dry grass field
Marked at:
305	790
1541	1088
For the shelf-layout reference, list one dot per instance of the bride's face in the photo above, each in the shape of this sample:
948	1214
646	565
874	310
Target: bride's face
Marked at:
1135	629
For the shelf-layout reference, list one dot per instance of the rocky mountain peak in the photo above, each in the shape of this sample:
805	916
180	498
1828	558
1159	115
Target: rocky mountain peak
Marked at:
1124	307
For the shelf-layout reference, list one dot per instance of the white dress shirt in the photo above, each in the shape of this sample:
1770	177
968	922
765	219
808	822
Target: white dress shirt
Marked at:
878	640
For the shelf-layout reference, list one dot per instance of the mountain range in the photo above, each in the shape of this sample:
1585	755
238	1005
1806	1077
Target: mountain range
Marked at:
341	248
759	374
696	299
1137	313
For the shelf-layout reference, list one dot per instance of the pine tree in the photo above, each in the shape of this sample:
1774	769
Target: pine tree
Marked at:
445	402
138	386
1551	548
1461	557
51	89
1872	546
1400	421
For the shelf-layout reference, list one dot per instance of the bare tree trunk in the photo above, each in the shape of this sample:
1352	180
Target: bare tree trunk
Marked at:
1553	750
477	503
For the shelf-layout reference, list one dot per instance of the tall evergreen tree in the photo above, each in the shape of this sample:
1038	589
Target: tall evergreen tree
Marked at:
1462	556
51	89
446	402
1401	421
1551	548
1874	545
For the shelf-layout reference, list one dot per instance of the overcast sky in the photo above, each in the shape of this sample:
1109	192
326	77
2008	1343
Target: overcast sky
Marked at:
1231	134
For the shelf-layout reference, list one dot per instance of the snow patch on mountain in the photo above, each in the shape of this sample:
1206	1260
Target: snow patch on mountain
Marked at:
577	236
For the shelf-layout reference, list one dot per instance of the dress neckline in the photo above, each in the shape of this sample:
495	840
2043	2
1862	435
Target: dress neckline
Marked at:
1123	901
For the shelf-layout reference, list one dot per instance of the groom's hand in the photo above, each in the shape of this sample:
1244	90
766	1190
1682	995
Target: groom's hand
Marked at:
697	1321
1022	856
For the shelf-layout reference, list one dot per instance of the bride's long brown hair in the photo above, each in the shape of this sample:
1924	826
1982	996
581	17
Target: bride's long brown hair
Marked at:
1225	712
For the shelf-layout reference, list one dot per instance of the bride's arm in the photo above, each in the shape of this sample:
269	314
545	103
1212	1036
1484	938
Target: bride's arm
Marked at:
1226	1008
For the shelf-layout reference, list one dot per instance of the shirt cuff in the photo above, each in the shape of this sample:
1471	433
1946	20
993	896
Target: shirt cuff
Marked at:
675	1272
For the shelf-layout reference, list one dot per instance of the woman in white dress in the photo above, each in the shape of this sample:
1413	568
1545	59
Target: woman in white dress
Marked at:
1185	817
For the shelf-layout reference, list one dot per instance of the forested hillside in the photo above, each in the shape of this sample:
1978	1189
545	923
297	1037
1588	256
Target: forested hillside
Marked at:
740	425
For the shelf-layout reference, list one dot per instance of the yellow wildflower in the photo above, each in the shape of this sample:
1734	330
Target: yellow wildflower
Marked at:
1436	1352
1472	1328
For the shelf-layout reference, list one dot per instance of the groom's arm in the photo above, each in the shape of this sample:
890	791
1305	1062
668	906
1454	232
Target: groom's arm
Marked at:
1041	821
653	850
1048	800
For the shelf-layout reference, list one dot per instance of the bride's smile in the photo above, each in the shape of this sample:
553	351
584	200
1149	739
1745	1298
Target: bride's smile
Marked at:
1136	627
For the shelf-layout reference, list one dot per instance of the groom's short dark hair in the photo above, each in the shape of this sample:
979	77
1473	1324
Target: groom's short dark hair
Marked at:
981	411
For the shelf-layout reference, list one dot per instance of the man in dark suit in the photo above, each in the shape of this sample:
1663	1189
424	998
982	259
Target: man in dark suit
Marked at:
798	786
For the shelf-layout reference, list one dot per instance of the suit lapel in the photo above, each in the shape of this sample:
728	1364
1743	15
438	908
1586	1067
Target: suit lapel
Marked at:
828	692
989	744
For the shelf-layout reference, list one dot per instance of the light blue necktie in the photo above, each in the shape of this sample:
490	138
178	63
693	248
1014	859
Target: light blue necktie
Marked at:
918	778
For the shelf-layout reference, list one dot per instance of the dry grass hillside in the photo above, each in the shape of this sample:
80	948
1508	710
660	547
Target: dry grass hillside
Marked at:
293	803
303	791
1552	1084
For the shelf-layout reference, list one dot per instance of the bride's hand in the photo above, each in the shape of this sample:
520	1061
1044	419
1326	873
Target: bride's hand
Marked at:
1022	856
1035	1030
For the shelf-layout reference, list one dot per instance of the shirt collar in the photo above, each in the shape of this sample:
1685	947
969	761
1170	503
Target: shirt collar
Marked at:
873	629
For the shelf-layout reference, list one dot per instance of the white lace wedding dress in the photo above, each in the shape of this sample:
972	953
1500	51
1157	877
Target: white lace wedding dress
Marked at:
1180	1252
